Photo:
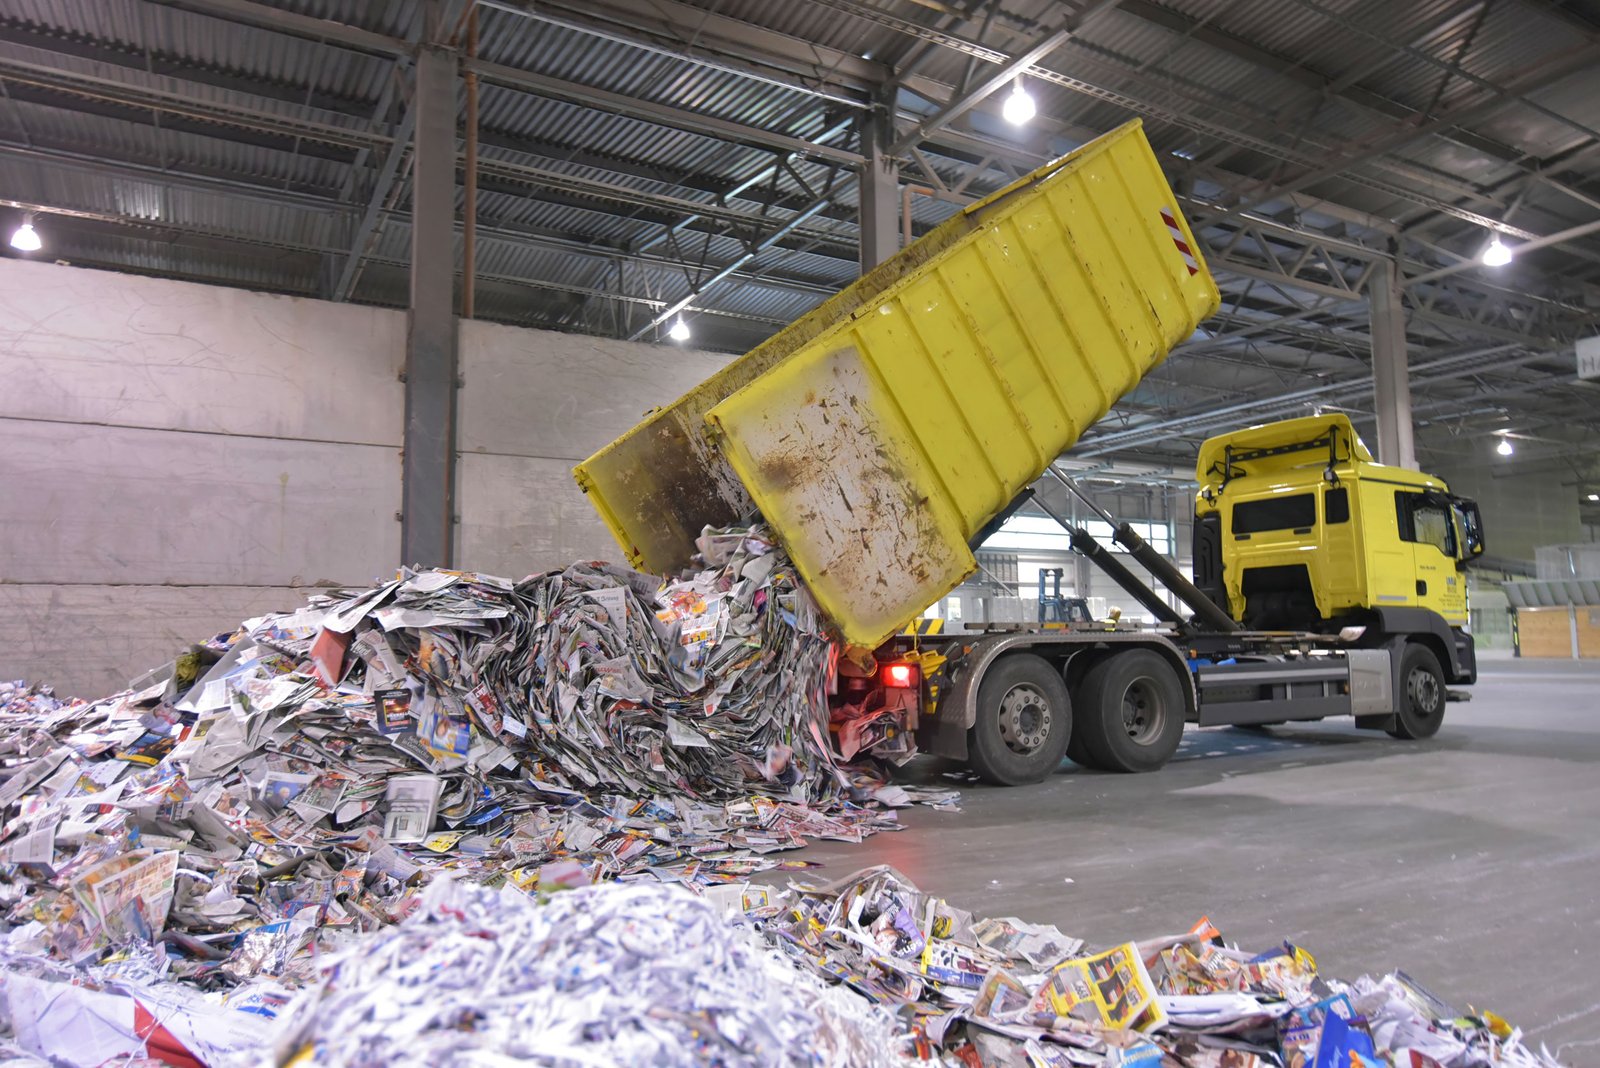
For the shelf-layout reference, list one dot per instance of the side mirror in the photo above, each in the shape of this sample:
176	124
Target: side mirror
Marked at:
1471	520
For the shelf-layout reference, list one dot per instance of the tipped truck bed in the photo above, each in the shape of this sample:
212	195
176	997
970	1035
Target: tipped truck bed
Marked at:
878	433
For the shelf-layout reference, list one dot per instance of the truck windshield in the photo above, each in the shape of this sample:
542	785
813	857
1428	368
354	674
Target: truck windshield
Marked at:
1274	513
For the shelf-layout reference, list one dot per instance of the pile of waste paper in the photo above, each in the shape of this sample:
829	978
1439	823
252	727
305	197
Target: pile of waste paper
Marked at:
618	974
454	819
1003	992
280	788
863	972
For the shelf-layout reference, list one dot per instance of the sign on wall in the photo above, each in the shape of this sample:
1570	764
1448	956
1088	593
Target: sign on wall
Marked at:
1589	357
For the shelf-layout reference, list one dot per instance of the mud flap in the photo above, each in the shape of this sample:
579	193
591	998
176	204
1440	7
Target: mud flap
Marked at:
942	736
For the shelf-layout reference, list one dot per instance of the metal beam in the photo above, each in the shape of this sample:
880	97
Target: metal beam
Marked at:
427	525
15	32
127	171
1547	241
727	272
880	189
1307	154
1012	68
1331	392
308	26
1512	95
210	110
711	33
1391	382
542	177
1323	85
367	229
662	114
156	228
130	170
684	48
1544	76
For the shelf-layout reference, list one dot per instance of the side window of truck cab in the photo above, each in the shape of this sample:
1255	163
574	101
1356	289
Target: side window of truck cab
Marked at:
1425	521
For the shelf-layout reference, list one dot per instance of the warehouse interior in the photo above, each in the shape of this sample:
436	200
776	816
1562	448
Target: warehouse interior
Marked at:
297	292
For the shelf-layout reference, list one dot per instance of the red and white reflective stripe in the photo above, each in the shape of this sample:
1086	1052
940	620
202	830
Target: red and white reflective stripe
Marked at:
1178	239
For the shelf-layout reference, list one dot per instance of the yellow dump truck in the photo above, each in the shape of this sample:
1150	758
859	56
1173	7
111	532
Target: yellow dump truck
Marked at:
887	431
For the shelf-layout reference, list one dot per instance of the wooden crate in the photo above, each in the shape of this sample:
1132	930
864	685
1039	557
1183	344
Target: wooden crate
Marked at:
1548	632
1589	633
1545	632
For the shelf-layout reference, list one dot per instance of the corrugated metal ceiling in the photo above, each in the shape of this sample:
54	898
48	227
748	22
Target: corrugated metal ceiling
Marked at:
1242	100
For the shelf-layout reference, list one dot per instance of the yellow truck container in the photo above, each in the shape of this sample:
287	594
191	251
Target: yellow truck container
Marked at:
880	432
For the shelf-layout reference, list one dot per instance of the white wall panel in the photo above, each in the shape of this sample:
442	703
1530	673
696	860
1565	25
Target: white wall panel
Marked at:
562	396
532	405
106	504
522	515
98	347
90	641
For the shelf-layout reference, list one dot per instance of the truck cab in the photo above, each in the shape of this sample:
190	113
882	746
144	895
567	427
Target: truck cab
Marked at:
1297	527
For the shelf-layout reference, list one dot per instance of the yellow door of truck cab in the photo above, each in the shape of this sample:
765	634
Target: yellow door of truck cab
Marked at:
1425	521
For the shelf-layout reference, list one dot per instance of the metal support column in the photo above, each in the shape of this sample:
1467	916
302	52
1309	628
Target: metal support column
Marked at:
880	188
427	525
1391	377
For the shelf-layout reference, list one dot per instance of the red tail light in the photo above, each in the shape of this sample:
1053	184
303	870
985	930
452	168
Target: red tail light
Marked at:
901	676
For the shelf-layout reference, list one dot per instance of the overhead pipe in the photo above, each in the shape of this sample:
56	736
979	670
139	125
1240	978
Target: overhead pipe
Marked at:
1217	416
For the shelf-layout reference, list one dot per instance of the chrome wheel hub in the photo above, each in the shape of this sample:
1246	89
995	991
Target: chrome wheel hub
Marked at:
1024	719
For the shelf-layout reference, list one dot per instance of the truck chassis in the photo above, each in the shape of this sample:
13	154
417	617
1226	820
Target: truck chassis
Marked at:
1013	701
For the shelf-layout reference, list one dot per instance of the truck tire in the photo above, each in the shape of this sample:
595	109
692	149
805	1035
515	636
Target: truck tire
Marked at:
1077	753
1422	695
1131	712
1024	720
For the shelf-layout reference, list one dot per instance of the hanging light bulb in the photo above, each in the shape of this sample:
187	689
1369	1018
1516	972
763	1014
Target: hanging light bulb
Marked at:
679	330
1019	106
26	239
1504	448
1496	254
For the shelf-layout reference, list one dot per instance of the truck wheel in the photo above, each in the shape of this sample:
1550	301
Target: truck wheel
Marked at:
1422	695
1024	720
1132	712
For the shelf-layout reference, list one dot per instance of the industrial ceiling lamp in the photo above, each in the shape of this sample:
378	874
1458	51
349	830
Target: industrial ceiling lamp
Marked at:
1504	448
1019	107
679	330
1496	253
26	239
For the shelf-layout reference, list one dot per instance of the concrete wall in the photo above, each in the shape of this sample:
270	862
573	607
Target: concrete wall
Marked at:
1522	509
532	404
176	457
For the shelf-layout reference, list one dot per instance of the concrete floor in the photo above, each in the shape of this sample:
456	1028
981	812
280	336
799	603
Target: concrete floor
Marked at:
1471	861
